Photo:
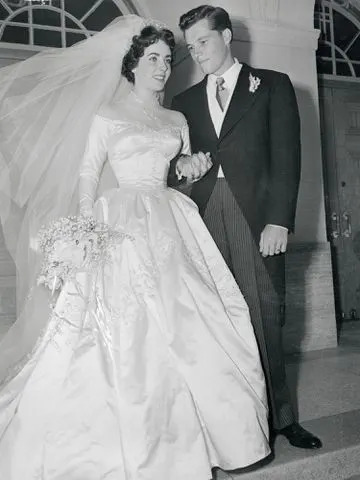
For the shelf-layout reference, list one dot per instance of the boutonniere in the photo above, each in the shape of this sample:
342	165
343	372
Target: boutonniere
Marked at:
254	83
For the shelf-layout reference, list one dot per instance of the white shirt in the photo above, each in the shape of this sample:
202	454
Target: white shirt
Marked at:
217	115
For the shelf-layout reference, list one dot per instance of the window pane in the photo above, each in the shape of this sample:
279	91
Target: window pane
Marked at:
357	70
3	12
344	34
22	17
78	8
324	50
72	38
317	17
47	38
354	51
42	16
343	69
16	35
102	16
327	34
71	24
324	67
344	30
339	54
50	13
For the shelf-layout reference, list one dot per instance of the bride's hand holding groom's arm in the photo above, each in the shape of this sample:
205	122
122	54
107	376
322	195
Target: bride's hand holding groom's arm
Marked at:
193	167
187	166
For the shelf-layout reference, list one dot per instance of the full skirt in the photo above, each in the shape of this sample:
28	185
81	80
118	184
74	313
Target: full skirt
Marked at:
148	368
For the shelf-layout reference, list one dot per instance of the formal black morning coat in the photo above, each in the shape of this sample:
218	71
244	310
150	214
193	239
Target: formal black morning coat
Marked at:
258	147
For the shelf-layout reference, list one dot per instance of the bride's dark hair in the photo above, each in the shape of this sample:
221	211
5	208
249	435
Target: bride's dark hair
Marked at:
148	36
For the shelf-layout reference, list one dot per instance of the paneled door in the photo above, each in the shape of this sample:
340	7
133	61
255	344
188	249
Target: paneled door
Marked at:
340	128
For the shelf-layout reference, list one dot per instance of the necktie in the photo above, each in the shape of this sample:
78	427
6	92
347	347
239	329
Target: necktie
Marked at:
222	93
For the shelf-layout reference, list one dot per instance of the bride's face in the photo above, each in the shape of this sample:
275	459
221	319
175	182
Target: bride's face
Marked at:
154	67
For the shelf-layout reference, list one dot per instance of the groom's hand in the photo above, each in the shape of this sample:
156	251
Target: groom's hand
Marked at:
273	240
193	167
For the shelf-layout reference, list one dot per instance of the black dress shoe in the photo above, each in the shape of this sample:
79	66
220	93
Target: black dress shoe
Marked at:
299	437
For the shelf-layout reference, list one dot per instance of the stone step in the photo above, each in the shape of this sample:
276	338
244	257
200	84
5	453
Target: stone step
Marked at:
317	379
339	459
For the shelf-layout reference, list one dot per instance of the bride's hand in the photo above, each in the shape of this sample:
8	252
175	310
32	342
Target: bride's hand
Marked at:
193	167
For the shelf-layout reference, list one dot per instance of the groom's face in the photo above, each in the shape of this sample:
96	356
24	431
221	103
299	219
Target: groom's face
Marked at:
209	48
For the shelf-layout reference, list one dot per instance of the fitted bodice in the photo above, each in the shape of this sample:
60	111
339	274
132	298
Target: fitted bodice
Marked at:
139	154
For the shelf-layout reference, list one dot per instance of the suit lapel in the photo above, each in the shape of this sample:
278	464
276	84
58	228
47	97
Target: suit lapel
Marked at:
240	102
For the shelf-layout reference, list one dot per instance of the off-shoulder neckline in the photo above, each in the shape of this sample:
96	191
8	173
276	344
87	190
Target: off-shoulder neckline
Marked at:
109	119
134	122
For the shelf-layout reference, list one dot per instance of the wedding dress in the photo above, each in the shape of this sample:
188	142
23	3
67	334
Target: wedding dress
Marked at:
150	369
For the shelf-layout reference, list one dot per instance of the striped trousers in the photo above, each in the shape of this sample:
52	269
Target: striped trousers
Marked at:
263	292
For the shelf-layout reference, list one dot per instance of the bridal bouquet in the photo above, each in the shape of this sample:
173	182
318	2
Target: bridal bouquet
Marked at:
72	244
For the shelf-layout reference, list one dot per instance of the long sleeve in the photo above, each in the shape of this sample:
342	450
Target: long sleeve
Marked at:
93	161
185	137
173	178
285	154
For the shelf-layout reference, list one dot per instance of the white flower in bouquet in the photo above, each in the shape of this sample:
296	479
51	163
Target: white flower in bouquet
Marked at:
73	244
69	251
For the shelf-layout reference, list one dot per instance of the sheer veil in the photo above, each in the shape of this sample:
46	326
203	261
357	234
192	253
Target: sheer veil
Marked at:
46	107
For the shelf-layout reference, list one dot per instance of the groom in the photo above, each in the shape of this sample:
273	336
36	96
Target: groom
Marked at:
248	120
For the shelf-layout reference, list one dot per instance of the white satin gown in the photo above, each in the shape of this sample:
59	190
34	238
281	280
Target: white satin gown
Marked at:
153	373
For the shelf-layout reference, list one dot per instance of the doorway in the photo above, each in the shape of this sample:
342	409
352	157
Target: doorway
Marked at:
340	130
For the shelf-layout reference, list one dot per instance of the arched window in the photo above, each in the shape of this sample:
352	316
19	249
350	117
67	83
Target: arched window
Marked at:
338	54
57	23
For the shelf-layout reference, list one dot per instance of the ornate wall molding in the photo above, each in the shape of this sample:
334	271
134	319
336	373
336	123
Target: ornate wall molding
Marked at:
274	34
266	11
256	32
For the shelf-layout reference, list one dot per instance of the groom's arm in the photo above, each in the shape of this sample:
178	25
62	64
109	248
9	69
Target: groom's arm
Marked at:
285	153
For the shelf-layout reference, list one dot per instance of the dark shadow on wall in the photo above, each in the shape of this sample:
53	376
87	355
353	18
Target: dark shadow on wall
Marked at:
309	216
184	73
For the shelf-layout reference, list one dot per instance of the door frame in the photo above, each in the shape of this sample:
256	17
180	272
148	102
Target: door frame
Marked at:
331	181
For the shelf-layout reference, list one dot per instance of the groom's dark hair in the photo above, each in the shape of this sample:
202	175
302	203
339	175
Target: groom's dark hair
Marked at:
217	17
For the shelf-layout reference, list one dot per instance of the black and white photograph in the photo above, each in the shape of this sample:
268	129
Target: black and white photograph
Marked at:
179	240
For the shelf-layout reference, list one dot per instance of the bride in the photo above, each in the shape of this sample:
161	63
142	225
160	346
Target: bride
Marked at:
142	366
